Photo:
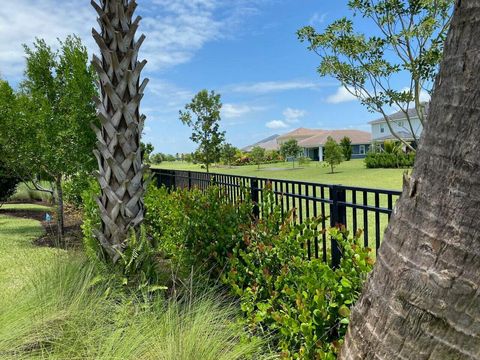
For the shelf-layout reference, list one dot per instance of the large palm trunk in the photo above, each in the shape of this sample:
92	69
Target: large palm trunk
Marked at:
118	147
422	300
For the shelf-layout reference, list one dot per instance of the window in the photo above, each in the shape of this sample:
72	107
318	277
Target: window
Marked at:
382	128
362	149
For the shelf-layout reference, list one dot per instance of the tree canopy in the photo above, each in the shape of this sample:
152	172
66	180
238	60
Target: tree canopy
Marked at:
258	155
290	149
408	41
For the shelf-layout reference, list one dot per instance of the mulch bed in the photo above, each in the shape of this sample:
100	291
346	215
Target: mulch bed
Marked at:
73	221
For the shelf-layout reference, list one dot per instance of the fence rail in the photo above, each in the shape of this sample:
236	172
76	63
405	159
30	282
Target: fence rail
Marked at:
355	207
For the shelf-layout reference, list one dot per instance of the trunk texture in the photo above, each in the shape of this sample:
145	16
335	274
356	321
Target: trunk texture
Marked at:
118	147
60	215
422	300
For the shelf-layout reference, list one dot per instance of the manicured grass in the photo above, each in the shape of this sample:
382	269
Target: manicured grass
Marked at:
25	207
351	173
54	305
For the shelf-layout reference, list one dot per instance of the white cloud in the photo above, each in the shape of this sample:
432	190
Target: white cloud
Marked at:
175	29
342	95
276	124
317	19
273	86
293	115
231	111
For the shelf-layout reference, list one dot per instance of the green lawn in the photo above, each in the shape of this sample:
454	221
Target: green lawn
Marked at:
350	173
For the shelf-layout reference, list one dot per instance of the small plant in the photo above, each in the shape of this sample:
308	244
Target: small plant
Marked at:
258	155
333	155
346	145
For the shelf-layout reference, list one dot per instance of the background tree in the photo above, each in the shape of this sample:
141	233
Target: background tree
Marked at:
147	150
332	153
118	151
290	149
408	43
258	155
228	153
205	107
422	297
49	137
346	145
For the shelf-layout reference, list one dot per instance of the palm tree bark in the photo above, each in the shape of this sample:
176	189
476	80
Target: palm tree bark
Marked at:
118	147
422	300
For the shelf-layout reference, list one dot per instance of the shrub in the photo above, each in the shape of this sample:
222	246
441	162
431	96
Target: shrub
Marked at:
389	160
306	304
195	228
74	186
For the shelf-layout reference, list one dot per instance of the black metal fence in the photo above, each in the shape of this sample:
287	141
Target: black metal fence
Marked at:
354	207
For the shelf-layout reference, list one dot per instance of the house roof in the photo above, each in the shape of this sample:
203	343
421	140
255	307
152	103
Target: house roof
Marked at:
269	143
299	133
399	115
356	136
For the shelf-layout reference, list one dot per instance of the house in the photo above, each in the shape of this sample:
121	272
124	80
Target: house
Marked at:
312	141
400	124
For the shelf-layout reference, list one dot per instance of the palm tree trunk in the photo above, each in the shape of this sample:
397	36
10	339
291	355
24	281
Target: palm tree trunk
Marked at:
118	147
422	300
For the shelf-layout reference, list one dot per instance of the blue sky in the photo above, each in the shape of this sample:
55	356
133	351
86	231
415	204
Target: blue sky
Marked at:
246	50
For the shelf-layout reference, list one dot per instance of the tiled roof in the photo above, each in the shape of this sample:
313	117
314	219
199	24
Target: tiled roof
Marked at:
356	136
400	115
299	133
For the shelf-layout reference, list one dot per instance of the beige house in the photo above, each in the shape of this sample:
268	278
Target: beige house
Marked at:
312	141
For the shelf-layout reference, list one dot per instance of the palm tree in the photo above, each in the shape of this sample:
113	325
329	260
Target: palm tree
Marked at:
118	147
422	300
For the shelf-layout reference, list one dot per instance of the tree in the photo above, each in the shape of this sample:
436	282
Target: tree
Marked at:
332	154
408	42
147	150
50	137
346	145
156	158
228	153
422	300
206	127
258	155
118	152
290	149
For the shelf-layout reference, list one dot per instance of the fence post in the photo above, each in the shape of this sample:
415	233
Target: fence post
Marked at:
189	180
338	216
255	198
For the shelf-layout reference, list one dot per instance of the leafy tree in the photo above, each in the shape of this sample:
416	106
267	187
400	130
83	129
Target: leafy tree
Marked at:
206	132
408	43
422	296
147	150
228	153
333	154
50	135
119	155
346	145
290	149
188	158
156	158
258	155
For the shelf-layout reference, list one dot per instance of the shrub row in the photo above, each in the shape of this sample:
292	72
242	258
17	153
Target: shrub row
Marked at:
389	160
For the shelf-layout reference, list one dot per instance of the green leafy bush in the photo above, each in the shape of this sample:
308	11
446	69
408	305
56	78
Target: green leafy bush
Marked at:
306	304
389	160
74	186
195	228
